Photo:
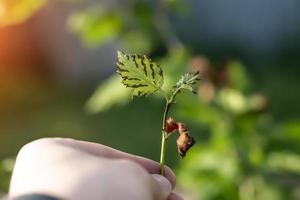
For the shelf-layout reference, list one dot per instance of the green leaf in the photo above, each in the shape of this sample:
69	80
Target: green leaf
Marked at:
187	81
108	94
96	28
140	73
16	11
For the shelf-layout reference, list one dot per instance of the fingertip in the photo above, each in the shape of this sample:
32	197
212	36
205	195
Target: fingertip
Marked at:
162	187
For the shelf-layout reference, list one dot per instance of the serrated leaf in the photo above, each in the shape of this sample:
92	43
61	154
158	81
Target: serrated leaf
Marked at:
139	73
187	81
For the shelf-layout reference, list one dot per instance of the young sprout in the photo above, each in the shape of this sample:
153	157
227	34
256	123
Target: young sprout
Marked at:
146	77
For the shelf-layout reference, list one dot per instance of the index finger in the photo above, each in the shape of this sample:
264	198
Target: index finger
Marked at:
96	149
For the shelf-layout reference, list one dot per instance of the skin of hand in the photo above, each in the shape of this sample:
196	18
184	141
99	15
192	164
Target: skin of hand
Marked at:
77	170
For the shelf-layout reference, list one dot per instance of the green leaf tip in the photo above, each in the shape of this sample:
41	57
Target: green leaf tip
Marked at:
187	81
139	73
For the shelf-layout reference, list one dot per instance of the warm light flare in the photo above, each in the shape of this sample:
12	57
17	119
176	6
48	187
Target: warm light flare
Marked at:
2	10
17	11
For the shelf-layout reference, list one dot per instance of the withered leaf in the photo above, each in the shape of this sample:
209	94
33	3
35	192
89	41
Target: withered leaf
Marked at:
171	125
184	141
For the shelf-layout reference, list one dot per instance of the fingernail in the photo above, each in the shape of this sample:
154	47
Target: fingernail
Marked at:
164	184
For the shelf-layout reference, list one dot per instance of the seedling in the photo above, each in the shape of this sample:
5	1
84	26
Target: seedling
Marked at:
146	77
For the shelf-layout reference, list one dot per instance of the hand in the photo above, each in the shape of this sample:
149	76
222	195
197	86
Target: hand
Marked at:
71	169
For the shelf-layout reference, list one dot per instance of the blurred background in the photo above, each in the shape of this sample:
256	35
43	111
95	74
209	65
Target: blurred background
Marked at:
57	78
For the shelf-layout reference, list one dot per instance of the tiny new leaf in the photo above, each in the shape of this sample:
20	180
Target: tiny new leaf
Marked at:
139	73
187	81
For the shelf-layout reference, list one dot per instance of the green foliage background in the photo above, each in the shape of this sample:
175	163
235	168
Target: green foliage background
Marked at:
248	141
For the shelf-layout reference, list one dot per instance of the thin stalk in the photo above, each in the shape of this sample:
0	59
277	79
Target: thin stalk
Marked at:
163	152
164	135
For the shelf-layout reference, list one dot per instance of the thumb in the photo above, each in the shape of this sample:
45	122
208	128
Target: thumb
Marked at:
162	188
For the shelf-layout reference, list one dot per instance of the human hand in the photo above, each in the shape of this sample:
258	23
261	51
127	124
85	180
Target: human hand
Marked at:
71	169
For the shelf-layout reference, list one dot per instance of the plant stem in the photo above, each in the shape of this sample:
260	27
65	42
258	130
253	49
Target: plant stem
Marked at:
164	136
162	152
